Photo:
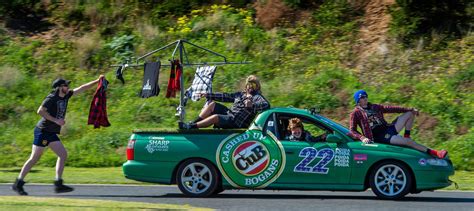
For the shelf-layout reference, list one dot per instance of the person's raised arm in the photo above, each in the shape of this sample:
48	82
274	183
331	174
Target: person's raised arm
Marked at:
222	97
397	109
87	86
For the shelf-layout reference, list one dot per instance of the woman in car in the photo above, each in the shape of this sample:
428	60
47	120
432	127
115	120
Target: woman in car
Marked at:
297	132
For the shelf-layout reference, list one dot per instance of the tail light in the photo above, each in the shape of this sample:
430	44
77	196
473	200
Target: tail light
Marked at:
130	150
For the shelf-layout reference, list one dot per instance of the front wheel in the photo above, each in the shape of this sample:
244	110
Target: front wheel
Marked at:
390	180
197	178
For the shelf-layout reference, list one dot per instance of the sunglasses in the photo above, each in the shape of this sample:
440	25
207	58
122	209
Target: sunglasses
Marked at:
363	97
252	85
65	85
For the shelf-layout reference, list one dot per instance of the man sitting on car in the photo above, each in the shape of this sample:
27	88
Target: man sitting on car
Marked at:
369	117
247	104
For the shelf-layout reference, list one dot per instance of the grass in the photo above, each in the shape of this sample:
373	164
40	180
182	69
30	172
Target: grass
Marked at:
108	175
465	180
43	203
114	175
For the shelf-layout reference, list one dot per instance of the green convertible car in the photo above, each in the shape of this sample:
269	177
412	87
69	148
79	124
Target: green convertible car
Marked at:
206	162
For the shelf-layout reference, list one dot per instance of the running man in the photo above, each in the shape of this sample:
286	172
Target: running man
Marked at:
53	112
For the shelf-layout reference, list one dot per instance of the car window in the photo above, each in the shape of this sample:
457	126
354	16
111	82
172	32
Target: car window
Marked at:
271	125
310	125
313	129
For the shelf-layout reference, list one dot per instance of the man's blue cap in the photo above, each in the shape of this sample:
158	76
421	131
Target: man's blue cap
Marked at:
359	94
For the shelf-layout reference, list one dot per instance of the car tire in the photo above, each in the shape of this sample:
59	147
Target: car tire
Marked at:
197	178
390	180
219	189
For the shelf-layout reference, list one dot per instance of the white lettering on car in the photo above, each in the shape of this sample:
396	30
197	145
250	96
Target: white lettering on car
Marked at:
341	157
157	144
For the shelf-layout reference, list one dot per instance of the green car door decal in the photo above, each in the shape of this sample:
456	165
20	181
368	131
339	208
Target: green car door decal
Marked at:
326	155
251	159
309	154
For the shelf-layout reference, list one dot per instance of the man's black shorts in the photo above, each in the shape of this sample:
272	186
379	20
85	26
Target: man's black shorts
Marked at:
43	138
226	119
385	137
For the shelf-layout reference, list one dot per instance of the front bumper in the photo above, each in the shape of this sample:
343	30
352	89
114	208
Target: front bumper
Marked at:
433	179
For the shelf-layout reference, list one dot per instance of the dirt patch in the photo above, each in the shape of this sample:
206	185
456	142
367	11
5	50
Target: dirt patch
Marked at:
275	13
373	30
462	130
426	122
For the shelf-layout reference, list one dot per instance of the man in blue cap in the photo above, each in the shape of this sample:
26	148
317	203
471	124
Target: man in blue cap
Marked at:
369	117
53	112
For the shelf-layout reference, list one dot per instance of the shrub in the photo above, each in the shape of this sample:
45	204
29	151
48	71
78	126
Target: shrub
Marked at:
412	19
10	76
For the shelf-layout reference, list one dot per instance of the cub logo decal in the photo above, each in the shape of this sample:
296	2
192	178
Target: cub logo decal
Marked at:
250	159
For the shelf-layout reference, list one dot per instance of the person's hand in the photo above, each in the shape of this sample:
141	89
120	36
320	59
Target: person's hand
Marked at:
248	103
415	112
366	141
201	95
60	122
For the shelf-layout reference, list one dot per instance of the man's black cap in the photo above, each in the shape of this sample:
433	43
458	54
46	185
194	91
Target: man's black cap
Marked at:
58	82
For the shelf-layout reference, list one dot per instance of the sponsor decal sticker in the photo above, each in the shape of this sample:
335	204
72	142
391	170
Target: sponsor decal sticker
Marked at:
342	156
250	159
157	144
422	162
360	157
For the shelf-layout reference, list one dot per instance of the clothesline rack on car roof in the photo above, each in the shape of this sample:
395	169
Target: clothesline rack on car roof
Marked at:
183	56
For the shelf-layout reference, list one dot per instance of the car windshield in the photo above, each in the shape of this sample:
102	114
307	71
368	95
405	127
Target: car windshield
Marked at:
332	123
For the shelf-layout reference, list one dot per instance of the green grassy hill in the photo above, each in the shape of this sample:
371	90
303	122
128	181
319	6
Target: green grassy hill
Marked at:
311	54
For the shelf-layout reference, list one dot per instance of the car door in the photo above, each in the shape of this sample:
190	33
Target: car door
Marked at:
314	162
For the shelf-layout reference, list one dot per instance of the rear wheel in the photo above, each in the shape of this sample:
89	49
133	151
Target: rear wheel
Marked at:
390	180
219	189
197	178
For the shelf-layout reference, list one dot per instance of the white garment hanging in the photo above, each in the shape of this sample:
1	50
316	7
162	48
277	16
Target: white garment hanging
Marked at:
202	82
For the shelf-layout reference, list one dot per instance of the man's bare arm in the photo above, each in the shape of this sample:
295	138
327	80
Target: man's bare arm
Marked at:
44	113
87	86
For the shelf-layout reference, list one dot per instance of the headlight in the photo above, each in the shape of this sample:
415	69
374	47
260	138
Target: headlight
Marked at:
437	162
433	162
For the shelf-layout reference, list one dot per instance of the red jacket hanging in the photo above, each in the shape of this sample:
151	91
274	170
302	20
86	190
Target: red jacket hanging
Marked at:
175	79
98	110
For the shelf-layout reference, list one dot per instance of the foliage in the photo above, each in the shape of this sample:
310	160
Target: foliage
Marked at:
303	64
451	19
122	47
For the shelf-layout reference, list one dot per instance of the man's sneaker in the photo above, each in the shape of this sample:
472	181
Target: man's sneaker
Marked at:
60	188
186	126
18	187
442	154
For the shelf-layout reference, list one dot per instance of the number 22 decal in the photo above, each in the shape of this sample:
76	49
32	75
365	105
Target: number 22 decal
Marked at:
309	154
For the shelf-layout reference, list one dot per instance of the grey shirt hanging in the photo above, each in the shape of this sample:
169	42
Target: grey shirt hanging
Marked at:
151	74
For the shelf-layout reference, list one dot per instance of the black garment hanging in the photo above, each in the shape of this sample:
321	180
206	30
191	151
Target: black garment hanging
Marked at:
151	74
119	74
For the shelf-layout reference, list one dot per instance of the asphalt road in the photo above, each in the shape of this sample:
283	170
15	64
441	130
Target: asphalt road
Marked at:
261	199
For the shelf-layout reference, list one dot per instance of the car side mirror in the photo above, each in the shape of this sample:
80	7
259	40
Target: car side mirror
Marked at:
332	138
